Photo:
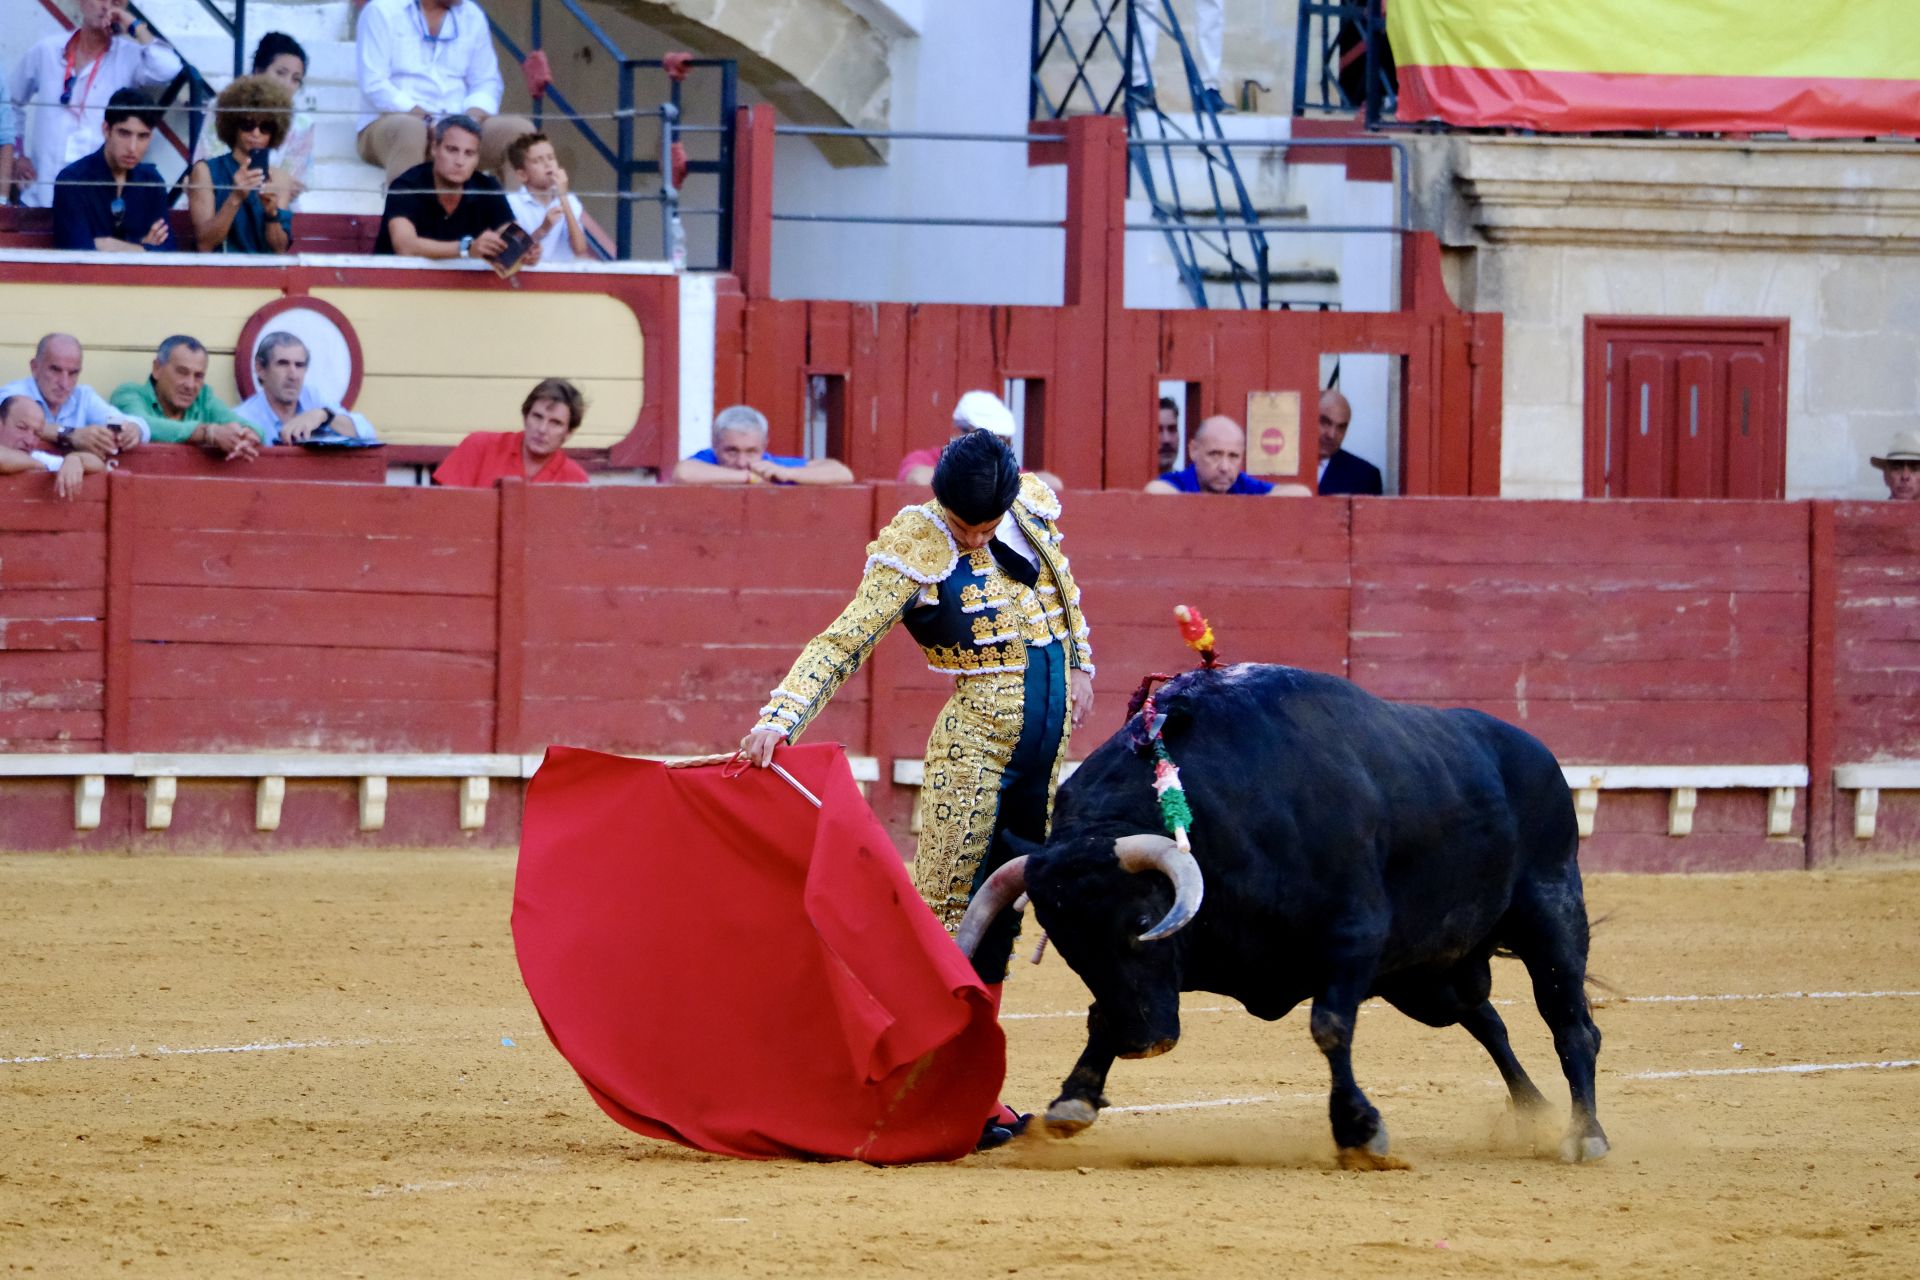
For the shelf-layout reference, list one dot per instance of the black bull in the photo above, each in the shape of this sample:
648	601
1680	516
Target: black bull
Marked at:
1346	847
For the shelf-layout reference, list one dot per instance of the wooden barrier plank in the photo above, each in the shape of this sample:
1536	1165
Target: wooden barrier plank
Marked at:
48	692
189	671
777	347
319	562
36	729
53	560
1429	531
632	615
932	351
1602	583
1733	678
56	604
669	727
288	724
361	619
691	671
28	505
287	506
1647	732
65	636
1575	619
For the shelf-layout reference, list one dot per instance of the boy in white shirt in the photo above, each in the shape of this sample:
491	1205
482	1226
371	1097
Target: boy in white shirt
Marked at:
542	203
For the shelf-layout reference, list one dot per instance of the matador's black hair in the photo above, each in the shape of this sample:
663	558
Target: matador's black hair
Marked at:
977	477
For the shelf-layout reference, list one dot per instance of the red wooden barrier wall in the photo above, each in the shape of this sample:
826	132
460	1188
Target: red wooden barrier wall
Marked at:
1100	364
159	613
53	599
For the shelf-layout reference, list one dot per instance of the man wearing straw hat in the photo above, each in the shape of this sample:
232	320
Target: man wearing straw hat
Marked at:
1900	467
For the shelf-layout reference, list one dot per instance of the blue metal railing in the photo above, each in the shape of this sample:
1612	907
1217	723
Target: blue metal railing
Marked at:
1344	44
1106	74
619	151
199	93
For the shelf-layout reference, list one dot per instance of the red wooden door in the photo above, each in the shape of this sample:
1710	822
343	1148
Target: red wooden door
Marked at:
1686	408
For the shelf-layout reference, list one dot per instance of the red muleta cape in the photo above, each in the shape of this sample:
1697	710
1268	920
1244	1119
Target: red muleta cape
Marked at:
730	968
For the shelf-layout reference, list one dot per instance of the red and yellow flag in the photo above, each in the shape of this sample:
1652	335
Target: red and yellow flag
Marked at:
1810	68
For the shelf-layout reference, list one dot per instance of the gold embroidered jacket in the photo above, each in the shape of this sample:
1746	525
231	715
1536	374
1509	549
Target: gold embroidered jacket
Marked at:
969	615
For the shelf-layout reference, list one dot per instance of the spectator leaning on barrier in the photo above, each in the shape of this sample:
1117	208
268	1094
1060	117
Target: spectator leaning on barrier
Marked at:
1216	454
180	408
739	456
113	200
443	209
74	416
974	411
1340	471
238	204
421	60
284	410
550	414
20	452
1900	467
66	80
543	206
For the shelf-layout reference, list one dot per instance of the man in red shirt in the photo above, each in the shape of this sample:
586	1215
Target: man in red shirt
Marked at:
550	413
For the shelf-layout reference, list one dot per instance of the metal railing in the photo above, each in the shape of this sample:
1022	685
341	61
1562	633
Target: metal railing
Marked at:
619	152
1342	62
1092	60
199	94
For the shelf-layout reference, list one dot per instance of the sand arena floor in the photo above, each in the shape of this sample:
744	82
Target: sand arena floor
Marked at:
334	1098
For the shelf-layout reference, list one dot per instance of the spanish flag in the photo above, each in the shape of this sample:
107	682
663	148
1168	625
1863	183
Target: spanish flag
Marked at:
1808	68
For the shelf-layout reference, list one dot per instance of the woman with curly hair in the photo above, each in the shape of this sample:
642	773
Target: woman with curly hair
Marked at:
237	204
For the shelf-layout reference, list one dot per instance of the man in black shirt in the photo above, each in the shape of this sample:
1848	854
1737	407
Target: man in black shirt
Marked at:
443	209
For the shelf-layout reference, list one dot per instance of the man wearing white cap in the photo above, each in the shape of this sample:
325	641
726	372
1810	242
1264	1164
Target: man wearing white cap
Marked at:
975	411
1900	467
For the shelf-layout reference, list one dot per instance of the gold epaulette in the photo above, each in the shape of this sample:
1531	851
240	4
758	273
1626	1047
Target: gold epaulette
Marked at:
1038	497
918	543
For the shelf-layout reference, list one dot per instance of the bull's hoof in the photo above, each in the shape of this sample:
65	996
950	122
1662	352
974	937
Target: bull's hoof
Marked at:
1069	1116
1579	1149
1363	1160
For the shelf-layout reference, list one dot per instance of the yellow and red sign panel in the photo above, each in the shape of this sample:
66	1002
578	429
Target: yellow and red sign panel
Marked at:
1810	68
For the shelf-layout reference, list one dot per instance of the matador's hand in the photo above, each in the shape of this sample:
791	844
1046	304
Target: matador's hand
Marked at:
758	746
1079	695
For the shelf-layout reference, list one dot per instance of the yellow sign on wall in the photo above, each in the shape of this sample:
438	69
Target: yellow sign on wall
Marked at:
1273	433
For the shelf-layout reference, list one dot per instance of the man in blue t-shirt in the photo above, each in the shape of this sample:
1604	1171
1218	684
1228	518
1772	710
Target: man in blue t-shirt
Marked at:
113	200
1217	452
739	456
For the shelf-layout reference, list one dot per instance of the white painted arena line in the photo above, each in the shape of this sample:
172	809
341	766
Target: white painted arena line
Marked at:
273	1046
1675	999
1791	1068
163	1051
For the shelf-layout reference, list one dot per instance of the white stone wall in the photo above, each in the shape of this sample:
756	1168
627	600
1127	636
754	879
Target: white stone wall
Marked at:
1551	231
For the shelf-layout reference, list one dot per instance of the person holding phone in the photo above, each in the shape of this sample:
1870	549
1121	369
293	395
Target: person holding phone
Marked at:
238	204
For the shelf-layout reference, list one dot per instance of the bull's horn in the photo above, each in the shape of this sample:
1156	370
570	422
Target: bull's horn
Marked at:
1001	888
1157	853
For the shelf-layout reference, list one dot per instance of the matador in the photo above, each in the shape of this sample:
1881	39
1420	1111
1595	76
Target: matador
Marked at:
981	582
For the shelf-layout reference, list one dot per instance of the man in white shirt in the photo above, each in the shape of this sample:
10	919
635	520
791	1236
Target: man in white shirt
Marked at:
283	409
66	80
74	416
420	60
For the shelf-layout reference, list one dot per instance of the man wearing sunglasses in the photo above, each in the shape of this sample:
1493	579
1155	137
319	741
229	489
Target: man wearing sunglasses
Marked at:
113	200
66	81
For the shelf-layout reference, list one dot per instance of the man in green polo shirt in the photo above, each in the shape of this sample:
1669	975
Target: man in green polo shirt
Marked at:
180	408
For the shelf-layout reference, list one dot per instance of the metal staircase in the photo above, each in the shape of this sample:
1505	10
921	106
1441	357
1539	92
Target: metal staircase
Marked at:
1088	56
